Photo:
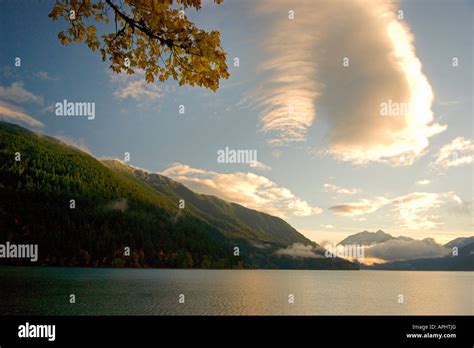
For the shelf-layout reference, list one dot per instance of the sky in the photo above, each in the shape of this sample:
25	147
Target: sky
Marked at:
309	95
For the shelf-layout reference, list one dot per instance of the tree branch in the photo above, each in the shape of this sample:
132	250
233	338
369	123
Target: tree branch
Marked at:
143	28
138	26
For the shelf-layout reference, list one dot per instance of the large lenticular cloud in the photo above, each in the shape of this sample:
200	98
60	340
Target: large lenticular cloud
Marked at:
304	75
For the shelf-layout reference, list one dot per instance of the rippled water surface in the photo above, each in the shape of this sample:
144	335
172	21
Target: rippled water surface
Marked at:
45	291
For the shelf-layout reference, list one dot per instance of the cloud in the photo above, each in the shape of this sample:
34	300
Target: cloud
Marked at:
449	102
299	250
303	73
8	72
120	204
248	189
44	75
16	93
401	249
48	109
361	207
341	190
287	95
135	87
77	143
11	113
423	182
465	208
458	152
260	165
413	211
329	227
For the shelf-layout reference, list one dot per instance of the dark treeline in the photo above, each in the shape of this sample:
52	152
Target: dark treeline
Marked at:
35	207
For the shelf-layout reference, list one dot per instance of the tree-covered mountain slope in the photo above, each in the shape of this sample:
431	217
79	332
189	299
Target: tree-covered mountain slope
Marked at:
233	220
85	212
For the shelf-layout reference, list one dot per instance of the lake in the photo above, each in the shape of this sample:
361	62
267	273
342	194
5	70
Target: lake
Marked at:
46	291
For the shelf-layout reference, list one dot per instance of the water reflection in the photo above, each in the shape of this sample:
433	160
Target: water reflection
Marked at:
232	292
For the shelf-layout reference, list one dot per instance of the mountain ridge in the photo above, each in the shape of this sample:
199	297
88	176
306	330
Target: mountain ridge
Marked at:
459	242
462	261
123	207
384	247
367	238
205	203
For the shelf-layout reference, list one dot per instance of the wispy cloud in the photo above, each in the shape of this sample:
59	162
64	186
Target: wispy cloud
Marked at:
44	75
304	72
12	113
423	182
341	190
260	166
413	211
402	249
249	189
458	152
328	227
449	102
299	250
361	207
135	87
78	143
120	204
48	109
287	95
17	93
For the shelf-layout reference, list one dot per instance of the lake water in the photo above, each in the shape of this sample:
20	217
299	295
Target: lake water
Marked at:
45	291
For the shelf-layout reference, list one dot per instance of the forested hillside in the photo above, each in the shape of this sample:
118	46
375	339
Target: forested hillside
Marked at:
82	212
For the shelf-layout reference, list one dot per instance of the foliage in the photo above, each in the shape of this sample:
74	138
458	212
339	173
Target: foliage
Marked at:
35	196
153	36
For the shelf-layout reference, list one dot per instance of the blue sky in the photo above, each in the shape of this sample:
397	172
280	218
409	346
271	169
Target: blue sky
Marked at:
325	169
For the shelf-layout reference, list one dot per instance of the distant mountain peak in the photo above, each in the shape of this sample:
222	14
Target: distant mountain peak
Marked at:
460	242
367	238
371	238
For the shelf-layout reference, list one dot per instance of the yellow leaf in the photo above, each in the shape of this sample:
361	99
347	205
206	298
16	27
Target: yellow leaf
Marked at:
149	78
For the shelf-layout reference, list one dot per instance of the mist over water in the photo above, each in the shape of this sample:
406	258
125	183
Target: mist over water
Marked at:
45	291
